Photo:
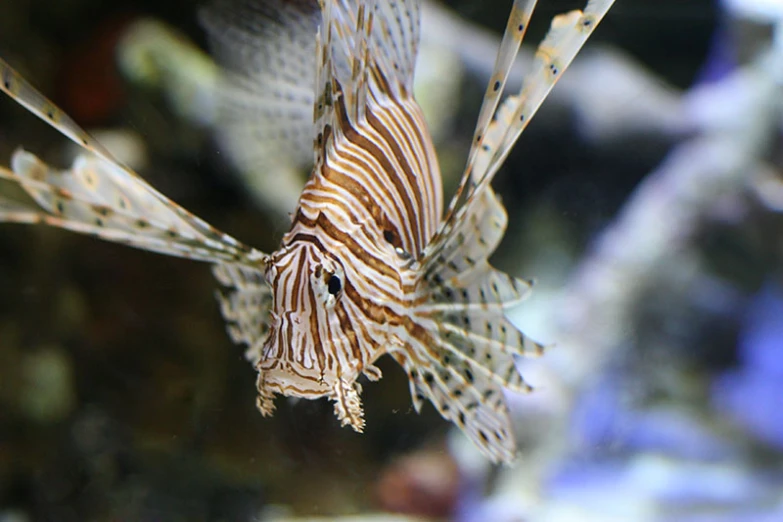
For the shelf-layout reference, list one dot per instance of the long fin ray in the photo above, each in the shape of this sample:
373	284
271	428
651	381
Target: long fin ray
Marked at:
510	342
392	39
472	346
460	292
14	85
560	46
396	41
471	325
325	85
482	287
469	399
102	192
462	302
470	239
516	28
567	35
90	198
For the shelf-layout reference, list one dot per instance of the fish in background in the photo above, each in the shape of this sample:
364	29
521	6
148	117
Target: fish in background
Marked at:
373	264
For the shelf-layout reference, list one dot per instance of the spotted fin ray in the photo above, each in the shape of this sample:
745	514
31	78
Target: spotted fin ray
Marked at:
91	198
358	39
245	302
15	86
469	356
516	28
100	197
501	123
388	30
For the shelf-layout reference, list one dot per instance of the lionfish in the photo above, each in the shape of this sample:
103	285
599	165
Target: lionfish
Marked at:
372	263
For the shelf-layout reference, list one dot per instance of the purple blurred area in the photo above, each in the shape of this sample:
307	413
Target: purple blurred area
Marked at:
752	394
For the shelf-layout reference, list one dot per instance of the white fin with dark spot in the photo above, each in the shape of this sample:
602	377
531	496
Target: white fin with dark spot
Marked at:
470	355
498	130
98	196
245	303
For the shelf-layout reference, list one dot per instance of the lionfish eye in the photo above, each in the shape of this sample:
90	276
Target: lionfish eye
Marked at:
334	284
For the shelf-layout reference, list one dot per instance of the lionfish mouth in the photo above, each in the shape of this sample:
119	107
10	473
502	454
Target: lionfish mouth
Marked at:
279	371
292	381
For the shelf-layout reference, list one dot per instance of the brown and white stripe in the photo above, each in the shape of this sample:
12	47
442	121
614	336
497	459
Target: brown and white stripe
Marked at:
372	204
370	265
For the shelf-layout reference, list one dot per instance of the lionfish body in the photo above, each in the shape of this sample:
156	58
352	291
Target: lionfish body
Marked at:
371	265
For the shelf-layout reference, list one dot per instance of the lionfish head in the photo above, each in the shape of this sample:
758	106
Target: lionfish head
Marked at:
304	354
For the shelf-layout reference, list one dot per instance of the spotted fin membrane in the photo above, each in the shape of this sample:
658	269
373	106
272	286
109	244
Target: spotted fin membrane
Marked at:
98	196
468	362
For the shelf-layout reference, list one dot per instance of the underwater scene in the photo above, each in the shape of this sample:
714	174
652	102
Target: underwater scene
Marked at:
372	369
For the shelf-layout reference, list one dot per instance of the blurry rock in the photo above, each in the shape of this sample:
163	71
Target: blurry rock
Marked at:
47	393
91	88
71	310
379	517
750	394
157	56
13	516
423	483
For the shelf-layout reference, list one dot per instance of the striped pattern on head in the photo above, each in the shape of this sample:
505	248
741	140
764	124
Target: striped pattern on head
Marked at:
372	205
